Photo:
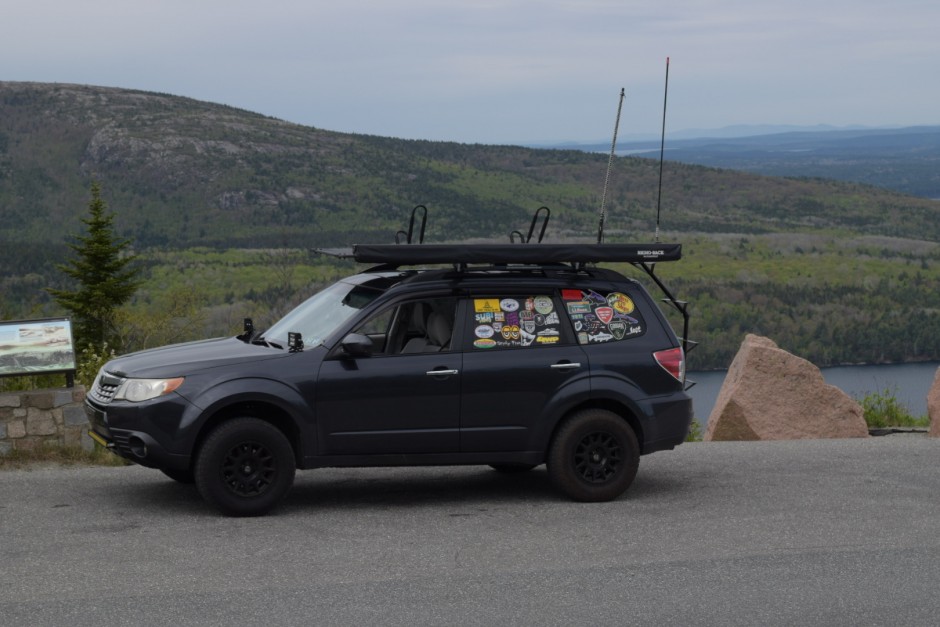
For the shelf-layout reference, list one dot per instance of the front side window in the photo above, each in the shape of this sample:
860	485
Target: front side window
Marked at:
514	322
601	317
421	326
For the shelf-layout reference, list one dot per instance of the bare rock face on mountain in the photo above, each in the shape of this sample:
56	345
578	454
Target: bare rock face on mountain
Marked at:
770	394
933	406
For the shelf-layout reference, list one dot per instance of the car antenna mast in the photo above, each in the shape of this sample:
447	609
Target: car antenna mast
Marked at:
610	162
662	147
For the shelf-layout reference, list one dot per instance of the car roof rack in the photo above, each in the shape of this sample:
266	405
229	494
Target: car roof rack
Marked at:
395	255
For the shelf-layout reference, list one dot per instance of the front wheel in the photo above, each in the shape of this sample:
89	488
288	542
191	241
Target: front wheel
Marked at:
594	456
245	467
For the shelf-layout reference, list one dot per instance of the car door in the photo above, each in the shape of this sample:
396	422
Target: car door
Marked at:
402	399
520	362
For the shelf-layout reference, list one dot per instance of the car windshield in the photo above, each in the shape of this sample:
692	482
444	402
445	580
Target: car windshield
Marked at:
321	314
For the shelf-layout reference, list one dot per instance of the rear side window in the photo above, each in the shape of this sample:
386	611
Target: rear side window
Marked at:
601	317
515	322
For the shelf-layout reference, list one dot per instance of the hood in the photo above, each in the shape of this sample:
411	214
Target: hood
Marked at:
179	360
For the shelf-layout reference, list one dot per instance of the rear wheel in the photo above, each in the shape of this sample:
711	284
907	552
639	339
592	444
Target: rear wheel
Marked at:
245	467
594	456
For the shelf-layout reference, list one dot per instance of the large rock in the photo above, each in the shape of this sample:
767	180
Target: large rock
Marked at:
933	406
770	394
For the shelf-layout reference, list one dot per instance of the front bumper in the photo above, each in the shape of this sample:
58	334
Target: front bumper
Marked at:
129	440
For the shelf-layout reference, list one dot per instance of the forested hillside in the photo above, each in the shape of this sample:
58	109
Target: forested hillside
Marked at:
223	204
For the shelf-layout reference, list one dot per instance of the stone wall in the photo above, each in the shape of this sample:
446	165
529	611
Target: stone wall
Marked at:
30	419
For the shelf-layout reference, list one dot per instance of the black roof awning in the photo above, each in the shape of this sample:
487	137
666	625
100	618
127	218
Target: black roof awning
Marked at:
499	254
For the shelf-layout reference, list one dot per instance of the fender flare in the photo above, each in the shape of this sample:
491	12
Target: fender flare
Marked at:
248	390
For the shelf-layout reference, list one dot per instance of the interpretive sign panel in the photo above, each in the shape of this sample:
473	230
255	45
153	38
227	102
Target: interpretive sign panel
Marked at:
36	347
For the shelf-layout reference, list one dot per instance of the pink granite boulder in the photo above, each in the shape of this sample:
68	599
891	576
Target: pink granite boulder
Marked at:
770	394
933	406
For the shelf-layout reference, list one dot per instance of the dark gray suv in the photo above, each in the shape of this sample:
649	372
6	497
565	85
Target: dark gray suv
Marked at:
511	356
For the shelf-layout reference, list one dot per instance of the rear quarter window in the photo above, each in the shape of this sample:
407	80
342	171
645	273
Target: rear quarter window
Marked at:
600	317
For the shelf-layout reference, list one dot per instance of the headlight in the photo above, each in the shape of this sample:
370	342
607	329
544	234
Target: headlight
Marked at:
137	390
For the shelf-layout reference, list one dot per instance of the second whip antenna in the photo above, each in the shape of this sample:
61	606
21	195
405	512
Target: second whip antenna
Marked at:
610	163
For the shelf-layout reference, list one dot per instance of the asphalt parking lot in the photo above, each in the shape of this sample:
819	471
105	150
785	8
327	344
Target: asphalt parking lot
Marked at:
828	532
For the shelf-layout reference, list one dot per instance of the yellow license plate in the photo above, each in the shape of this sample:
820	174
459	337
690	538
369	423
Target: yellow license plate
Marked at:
100	440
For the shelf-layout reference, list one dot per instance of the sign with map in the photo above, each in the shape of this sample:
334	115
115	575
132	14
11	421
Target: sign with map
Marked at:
36	347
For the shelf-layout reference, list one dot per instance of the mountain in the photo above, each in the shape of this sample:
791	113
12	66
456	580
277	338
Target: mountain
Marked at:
180	172
735	130
901	159
222	205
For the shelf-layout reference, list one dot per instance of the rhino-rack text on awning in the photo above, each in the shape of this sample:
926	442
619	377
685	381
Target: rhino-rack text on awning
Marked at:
498	254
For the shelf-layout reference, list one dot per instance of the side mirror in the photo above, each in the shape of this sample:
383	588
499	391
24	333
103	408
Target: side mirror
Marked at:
357	345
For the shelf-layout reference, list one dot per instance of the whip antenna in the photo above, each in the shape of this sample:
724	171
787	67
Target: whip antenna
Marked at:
610	163
662	148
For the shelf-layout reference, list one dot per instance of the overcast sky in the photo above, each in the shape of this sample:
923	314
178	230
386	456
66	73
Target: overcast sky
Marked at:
507	71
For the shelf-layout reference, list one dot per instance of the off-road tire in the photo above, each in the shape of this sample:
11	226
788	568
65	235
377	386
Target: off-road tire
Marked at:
594	456
245	467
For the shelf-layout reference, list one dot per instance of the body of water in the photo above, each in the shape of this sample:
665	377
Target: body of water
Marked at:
910	383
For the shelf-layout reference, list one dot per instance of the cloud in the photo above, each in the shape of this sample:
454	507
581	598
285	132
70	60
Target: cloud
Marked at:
508	70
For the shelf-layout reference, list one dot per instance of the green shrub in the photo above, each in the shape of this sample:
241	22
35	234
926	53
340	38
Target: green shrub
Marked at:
31	382
57	455
883	409
90	361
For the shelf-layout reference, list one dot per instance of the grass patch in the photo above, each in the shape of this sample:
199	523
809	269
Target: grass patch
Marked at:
56	455
883	409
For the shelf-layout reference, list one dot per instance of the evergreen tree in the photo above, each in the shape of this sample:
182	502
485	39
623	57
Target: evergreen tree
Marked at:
104	274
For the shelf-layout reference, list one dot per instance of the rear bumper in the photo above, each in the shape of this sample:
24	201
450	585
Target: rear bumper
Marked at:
668	426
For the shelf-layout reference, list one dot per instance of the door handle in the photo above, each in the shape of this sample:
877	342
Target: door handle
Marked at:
441	373
566	366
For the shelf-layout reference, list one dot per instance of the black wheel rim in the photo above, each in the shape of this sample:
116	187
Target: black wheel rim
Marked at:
248	469
597	457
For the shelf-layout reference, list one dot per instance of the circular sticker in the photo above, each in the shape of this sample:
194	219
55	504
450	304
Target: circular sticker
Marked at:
620	302
508	304
484	331
544	305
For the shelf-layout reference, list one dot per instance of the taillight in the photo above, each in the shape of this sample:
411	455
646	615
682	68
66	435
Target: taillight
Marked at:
673	362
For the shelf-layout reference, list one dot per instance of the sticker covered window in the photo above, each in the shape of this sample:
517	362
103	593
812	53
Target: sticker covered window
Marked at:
515	322
600	318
